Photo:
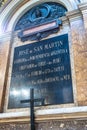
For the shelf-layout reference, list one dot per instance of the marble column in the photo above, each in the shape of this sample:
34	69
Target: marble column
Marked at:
4	53
80	55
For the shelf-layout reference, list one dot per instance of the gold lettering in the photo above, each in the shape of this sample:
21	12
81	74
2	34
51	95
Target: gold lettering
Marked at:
56	60
66	77
43	63
36	49
53	45
57	52
24	52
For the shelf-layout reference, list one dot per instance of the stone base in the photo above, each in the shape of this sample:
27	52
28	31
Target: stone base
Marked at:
74	118
50	125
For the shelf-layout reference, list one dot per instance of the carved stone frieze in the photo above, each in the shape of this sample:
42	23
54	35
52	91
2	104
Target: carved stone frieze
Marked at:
37	16
41	13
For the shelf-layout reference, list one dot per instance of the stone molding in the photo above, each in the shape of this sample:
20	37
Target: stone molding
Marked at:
78	13
5	37
74	15
10	14
44	115
83	8
14	11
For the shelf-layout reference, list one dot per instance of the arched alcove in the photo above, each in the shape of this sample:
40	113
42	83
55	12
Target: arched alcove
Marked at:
16	9
48	11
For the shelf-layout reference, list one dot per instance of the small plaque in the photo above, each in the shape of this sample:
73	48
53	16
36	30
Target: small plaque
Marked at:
40	31
41	28
44	66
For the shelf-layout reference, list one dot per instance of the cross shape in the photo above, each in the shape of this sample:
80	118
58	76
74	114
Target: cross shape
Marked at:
32	100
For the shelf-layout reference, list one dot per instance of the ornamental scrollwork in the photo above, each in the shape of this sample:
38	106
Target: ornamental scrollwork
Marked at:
42	14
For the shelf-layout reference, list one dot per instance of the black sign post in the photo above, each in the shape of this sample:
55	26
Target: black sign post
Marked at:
32	100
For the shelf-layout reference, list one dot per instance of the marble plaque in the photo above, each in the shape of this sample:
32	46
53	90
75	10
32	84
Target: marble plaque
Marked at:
44	66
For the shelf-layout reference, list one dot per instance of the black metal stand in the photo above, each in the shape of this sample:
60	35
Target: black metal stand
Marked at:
32	109
32	100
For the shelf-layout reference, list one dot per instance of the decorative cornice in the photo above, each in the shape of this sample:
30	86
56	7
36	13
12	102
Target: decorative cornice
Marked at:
74	15
83	6
14	9
4	5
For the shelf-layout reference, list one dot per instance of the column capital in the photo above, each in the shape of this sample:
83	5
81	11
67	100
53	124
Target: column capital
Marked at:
74	15
83	7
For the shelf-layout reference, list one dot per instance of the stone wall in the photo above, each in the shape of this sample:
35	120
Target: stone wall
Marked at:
4	53
76	26
80	60
77	40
